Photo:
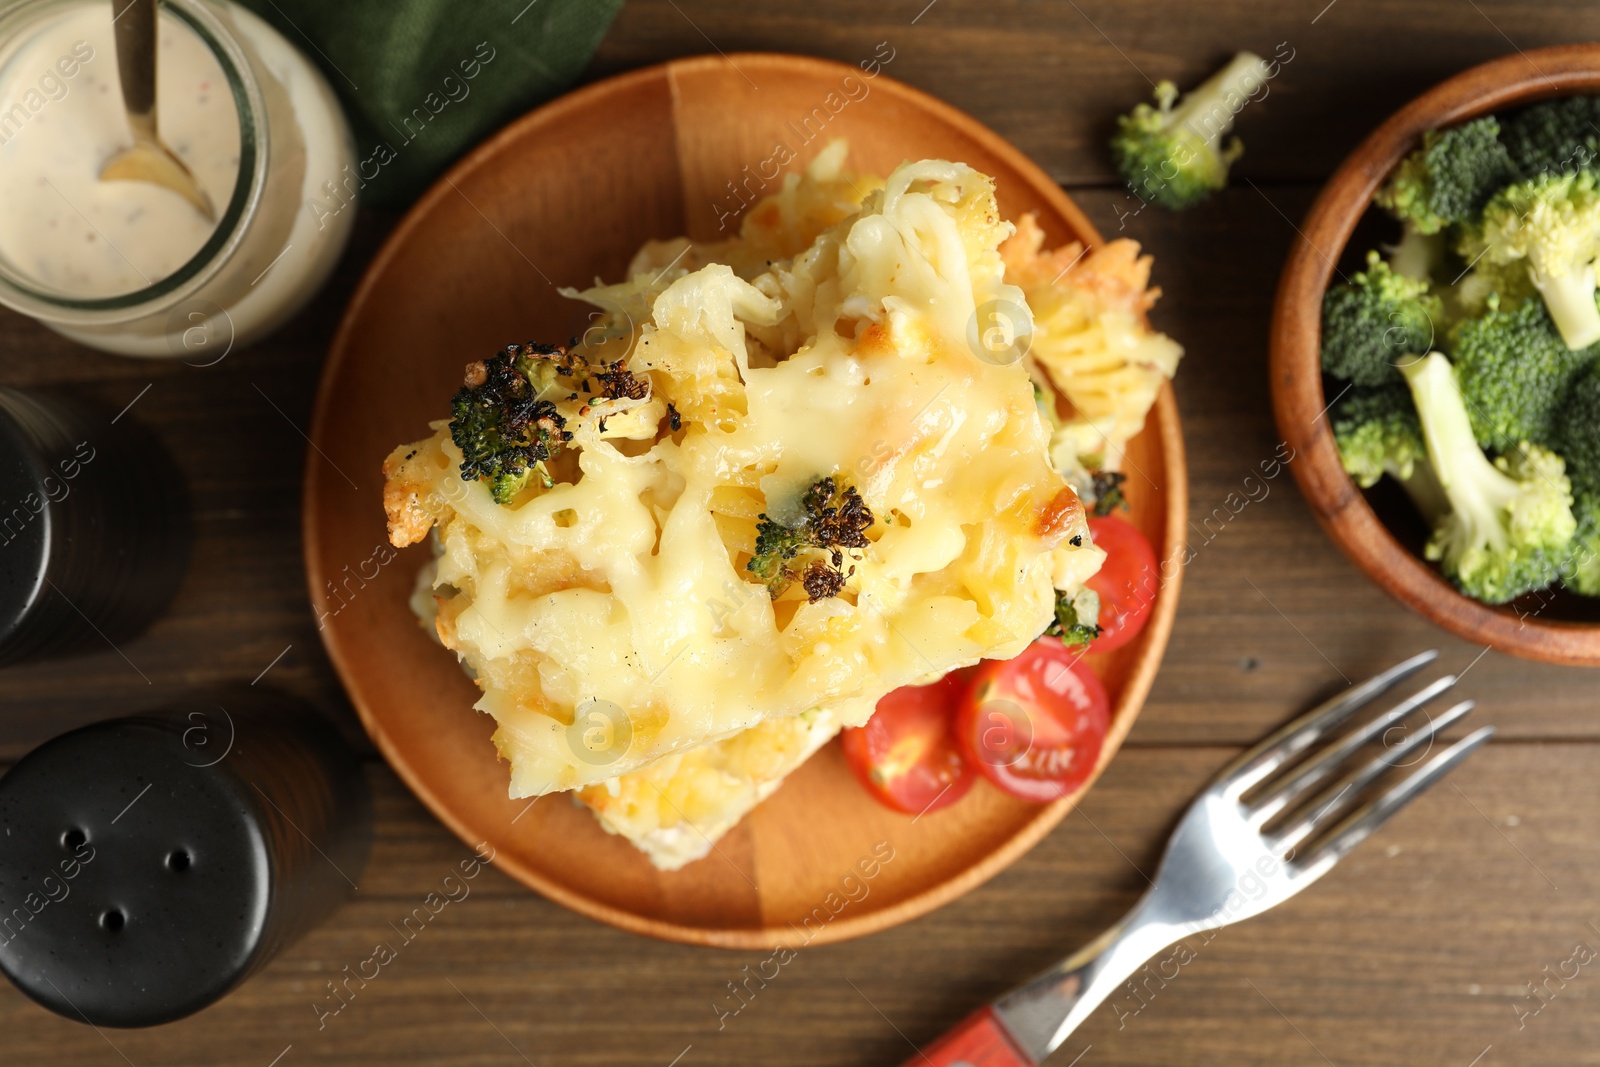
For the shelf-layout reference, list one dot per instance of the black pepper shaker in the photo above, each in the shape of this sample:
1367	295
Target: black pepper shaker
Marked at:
148	865
94	526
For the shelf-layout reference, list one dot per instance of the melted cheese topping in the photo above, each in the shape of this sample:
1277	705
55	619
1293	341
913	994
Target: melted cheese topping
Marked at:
625	582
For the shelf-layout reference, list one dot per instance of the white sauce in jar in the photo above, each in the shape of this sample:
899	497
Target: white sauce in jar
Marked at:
67	238
61	118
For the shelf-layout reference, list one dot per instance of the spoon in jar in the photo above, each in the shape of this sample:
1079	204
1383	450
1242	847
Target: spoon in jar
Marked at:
148	160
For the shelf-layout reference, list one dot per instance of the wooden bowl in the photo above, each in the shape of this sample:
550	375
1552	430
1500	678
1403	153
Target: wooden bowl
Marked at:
557	198
1556	627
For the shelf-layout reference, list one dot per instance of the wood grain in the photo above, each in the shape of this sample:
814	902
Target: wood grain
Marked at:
1417	946
1393	960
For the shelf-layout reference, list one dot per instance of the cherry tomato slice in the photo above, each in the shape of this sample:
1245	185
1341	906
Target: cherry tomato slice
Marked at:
1034	725
906	755
1127	582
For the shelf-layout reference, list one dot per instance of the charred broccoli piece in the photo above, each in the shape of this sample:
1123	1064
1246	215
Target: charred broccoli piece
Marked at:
1077	618
834	519
1108	494
501	423
615	380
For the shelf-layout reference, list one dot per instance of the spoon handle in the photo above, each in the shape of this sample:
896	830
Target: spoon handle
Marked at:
135	24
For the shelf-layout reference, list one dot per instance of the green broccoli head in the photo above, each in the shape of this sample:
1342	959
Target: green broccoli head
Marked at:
1510	523
1555	136
1378	433
1578	437
1174	156
1580	570
1578	430
500	422
1375	319
1552	224
1450	178
833	520
1514	371
1077	620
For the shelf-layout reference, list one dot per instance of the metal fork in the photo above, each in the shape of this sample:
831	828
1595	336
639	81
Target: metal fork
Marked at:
1221	865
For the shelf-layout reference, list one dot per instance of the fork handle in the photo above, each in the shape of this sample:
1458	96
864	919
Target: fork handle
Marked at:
1041	1013
979	1040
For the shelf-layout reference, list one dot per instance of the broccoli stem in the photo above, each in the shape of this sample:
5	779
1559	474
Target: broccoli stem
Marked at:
1477	491
1570	300
1426	494
1418	254
1209	109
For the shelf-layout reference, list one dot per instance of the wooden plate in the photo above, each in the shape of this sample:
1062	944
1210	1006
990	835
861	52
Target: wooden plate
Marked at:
557	198
1385	540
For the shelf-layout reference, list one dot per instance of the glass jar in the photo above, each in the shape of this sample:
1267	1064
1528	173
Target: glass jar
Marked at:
279	232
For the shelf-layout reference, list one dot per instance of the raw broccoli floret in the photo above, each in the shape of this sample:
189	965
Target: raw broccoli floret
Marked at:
833	519
1450	178
1174	156
1554	137
1468	297
1510	522
1551	223
1580	571
1077	618
1514	371
1578	436
1375	319
500	422
1378	433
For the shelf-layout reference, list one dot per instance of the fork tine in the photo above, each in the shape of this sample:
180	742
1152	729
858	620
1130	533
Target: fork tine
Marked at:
1327	811
1354	829
1314	772
1289	740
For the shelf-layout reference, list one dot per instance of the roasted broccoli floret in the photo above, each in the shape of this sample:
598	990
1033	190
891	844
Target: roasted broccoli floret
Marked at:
615	380
1555	136
1450	178
1551	223
503	427
1510	523
1077	618
833	520
1174	156
1578	437
1378	433
1514	371
1375	319
1108	495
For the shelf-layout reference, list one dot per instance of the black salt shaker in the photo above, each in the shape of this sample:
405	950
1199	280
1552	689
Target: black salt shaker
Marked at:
150	864
94	525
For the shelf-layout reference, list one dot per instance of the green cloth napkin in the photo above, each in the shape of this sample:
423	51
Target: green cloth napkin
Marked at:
422	81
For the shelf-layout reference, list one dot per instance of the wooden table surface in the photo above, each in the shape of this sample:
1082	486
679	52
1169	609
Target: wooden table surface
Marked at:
1424	947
